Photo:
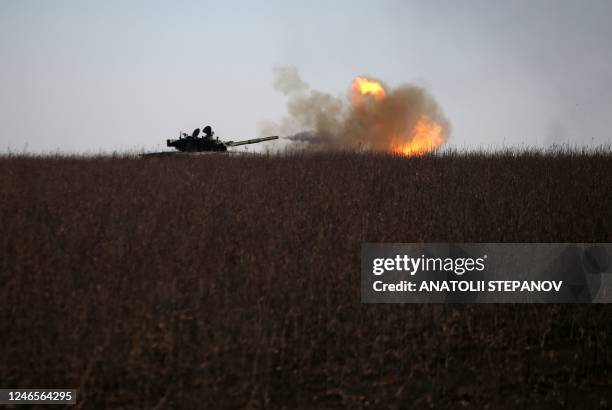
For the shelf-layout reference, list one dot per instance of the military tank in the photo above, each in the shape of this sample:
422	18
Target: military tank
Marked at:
207	143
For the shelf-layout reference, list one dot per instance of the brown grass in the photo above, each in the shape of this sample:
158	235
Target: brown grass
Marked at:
220	282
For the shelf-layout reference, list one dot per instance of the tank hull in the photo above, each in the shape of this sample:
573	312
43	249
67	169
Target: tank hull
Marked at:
185	154
197	145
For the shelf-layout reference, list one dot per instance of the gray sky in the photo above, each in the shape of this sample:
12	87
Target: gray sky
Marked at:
100	75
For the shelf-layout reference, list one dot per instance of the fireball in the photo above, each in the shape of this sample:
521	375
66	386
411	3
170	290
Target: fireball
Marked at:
363	86
425	136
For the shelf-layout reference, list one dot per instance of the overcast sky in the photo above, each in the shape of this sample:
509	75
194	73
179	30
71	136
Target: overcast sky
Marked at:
100	75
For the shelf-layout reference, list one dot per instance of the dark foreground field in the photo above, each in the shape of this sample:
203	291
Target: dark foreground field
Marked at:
218	282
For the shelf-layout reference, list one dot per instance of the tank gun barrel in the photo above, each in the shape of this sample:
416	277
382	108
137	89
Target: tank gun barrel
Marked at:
252	141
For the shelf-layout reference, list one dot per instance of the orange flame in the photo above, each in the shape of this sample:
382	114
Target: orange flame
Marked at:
426	136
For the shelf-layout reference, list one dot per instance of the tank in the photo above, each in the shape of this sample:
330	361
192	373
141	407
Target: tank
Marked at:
194	143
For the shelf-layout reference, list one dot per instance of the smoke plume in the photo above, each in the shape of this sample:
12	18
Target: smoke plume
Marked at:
371	116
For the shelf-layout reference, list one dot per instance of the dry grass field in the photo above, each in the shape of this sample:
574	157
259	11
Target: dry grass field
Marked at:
233	282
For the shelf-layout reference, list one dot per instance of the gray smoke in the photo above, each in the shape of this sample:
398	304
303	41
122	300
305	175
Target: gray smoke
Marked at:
309	137
287	80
